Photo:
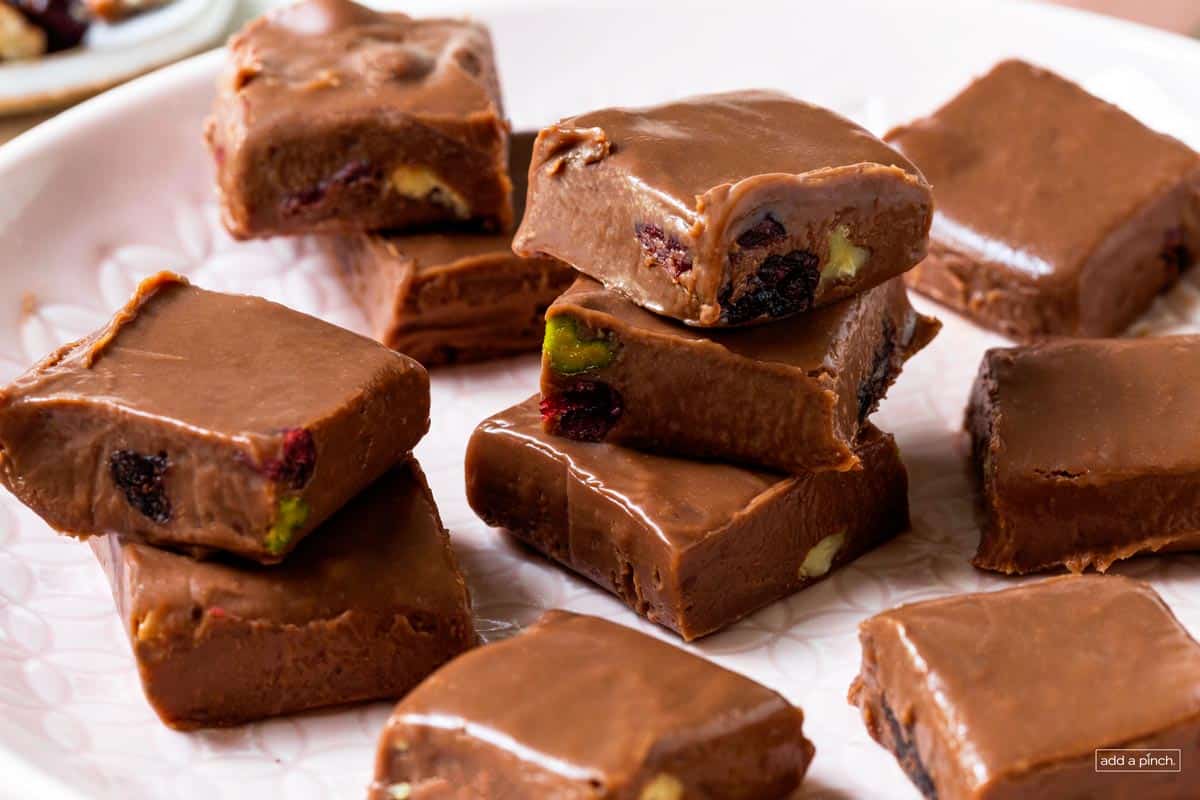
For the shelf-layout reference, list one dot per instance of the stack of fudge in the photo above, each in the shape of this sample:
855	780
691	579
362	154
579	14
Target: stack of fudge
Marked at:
244	474
701	446
385	135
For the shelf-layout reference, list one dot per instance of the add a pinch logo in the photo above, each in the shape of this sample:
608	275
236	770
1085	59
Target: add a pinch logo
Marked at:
1139	760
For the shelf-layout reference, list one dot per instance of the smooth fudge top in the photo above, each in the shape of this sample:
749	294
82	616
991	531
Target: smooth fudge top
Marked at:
689	187
631	699
331	57
1039	673
1034	173
1080	407
231	366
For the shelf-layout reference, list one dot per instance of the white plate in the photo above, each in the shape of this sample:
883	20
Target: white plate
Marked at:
113	53
121	186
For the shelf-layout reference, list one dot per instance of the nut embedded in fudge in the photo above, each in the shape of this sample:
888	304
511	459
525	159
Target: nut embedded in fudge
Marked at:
331	117
675	539
1087	452
1010	694
727	209
364	609
205	421
579	707
1032	235
790	396
453	297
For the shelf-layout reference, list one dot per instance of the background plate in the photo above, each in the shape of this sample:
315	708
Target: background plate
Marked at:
121	186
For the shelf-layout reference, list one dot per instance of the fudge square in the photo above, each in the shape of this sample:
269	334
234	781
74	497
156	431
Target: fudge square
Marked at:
1009	694
1087	451
725	209
578	707
332	117
200	421
453	297
790	396
1057	213
365	609
693	546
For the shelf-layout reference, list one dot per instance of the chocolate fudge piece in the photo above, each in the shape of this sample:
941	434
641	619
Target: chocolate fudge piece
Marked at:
1010	694
1035	234
790	396
693	546
1087	451
332	117
365	609
20	39
453	297
725	209
578	707
199	420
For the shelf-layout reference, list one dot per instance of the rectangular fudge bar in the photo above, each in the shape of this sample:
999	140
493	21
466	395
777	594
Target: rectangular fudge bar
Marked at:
725	209
1032	235
365	609
1087	452
1008	695
693	546
453	297
790	396
332	117
579	708
199	421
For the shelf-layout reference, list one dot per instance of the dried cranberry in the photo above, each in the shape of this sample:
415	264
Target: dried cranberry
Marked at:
357	173
299	458
905	750
873	387
665	251
140	477
782	285
1175	254
586	411
766	232
63	21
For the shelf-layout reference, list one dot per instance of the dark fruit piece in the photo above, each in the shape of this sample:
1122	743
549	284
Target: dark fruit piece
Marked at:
665	251
585	412
766	232
141	479
353	174
907	756
783	285
1175	254
873	387
299	458
64	21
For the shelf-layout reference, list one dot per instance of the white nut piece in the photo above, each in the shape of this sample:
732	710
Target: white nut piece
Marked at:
420	183
820	557
400	791
664	787
845	257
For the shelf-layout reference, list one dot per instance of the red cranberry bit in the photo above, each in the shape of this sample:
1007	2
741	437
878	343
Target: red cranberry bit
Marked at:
905	749
767	232
875	385
63	21
140	477
665	251
354	174
783	285
295	467
1175	254
585	411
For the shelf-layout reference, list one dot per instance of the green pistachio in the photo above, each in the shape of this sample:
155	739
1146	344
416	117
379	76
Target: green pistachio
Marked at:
571	354
845	257
400	791
292	514
820	557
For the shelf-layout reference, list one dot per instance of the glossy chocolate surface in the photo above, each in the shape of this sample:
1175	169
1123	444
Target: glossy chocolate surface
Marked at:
1057	213
790	396
1087	451
724	210
364	609
1009	694
201	420
617	714
675	538
333	117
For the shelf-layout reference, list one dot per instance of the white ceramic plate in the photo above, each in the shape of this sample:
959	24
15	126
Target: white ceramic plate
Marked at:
110	54
121	187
